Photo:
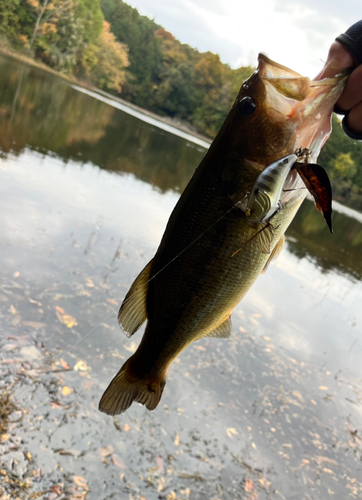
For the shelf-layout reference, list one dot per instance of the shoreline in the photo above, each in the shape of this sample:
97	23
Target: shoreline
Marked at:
183	127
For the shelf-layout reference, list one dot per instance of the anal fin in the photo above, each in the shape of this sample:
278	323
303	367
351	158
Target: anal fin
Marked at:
223	331
133	311
275	253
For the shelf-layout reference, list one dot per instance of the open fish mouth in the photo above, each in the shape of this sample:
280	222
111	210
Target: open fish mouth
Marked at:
308	104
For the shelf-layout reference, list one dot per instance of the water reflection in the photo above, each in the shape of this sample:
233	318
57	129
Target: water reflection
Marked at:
86	191
45	113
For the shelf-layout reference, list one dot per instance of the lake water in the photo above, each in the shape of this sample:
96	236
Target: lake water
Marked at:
273	412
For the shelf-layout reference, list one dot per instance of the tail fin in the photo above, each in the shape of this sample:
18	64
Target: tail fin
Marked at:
125	388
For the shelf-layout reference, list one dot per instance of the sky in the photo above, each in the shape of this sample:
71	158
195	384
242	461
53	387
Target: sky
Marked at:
291	32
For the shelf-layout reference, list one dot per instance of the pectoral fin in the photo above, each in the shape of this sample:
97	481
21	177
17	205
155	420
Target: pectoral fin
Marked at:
317	181
275	253
265	236
223	331
133	311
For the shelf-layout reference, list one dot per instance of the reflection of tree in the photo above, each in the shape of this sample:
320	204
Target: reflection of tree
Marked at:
52	116
41	110
342	250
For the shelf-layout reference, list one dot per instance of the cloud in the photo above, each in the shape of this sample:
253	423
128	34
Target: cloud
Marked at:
296	34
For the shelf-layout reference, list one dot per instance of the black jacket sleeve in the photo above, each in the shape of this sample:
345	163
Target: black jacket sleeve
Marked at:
352	41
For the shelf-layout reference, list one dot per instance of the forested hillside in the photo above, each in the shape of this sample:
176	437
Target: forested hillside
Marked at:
109	44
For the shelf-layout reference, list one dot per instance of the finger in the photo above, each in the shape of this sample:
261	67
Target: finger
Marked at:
354	119
352	93
338	59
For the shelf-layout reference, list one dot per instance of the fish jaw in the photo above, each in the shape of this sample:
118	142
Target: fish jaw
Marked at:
308	105
292	112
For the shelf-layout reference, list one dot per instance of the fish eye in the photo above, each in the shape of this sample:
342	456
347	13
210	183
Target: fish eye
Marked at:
246	106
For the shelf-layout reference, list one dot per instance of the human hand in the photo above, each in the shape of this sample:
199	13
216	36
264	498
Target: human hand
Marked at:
346	52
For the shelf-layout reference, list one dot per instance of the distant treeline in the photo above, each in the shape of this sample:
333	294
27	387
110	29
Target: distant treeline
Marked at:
108	43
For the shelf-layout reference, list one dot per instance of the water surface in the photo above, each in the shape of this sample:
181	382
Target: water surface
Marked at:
274	412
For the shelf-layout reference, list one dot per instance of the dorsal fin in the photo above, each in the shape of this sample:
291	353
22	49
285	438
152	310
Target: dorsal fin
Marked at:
275	253
223	331
133	311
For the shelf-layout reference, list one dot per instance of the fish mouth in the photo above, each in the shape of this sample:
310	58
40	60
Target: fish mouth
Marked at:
306	104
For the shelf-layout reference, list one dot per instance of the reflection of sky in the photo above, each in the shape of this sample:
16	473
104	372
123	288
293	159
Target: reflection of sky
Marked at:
312	315
298	323
44	191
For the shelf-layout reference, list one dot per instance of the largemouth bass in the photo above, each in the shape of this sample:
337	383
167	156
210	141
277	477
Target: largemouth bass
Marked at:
210	255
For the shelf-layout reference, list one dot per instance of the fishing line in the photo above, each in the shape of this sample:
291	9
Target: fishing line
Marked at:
146	283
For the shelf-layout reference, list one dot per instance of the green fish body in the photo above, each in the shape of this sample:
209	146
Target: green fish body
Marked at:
210	254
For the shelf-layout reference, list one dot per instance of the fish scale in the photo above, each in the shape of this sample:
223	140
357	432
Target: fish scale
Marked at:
210	254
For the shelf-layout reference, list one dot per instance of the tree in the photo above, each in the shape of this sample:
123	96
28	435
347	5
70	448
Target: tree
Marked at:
109	61
46	12
344	166
9	17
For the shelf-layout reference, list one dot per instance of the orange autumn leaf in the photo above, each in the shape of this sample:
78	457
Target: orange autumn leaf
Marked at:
106	451
126	427
118	461
60	309
249	485
66	390
64	364
66	319
80	481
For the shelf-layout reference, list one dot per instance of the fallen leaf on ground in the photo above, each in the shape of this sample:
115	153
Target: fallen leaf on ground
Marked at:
67	320
80	481
177	440
249	485
90	283
323	388
118	461
81	366
4	437
64	364
329	471
126	427
55	405
106	451
199	347
33	324
66	390
56	488
60	309
231	431
112	301
13	310
9	347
